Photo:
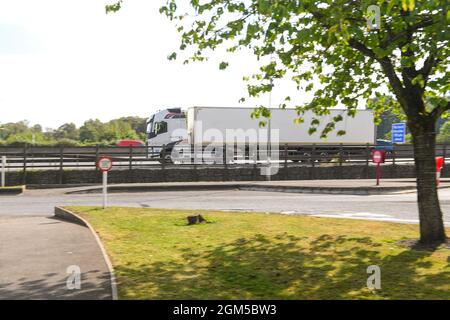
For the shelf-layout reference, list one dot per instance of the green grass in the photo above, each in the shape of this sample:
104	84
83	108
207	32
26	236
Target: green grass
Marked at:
260	256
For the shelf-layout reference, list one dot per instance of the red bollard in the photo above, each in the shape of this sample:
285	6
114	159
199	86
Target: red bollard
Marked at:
439	165
378	157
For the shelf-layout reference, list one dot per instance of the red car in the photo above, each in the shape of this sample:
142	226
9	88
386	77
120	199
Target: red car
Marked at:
130	143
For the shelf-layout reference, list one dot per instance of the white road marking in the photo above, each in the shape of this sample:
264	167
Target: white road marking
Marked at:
356	217
370	215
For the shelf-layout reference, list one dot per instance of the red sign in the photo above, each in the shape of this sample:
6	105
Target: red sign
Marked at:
378	156
439	163
104	164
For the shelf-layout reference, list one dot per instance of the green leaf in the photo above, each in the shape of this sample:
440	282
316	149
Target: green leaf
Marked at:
299	120
264	6
418	80
390	6
223	65
172	56
265	112
115	7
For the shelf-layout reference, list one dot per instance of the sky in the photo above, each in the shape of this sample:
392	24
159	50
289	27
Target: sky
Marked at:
68	61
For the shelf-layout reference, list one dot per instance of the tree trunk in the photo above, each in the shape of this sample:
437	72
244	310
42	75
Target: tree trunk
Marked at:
430	214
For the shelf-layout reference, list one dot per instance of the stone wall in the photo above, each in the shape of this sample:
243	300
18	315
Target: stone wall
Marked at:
182	174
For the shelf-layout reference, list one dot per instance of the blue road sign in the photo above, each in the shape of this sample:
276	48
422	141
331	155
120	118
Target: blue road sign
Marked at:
398	132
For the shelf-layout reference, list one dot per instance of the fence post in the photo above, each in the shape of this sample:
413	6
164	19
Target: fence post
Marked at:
367	160
225	162
341	153
130	158
162	155
195	160
313	161
97	153
444	150
394	166
285	161
24	172
61	164
253	157
3	171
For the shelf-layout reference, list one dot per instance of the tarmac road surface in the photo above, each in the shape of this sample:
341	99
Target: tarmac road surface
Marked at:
401	207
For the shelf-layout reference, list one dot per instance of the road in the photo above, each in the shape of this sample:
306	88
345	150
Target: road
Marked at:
398	207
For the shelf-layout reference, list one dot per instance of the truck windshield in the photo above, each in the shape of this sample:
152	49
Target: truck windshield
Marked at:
150	132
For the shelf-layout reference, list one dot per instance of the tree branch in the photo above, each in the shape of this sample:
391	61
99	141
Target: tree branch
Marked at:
430	62
386	65
409	31
438	111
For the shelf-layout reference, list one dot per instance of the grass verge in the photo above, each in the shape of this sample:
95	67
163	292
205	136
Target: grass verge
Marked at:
260	256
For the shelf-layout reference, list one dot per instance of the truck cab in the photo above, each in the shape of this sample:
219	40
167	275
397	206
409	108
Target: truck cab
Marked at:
166	127
162	125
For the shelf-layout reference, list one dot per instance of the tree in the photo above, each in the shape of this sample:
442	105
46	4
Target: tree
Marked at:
97	131
344	52
37	128
444	133
119	129
138	124
384	127
92	131
13	128
67	131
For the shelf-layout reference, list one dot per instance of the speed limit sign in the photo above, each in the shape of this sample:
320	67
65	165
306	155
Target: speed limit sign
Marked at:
104	164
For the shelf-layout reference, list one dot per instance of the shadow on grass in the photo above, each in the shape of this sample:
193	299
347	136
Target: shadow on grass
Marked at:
285	267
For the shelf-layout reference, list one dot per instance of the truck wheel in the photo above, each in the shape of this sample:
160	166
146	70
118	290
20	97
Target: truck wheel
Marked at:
167	159
345	156
323	157
307	156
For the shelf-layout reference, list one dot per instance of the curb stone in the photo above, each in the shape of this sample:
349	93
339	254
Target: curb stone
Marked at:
250	187
16	190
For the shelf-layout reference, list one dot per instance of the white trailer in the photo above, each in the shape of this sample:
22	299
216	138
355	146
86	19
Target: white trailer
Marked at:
218	125
359	129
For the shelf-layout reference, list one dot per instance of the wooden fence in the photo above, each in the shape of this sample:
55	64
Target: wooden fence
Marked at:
61	158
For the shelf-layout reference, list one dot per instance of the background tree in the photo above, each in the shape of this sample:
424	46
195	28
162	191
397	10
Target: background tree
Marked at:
386	117
110	132
13	128
90	133
329	47
444	133
67	131
118	129
138	124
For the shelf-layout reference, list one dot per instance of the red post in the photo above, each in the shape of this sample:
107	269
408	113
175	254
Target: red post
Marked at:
378	173
439	165
378	157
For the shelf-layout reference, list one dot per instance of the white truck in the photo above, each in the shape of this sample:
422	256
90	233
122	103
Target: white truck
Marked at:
202	126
